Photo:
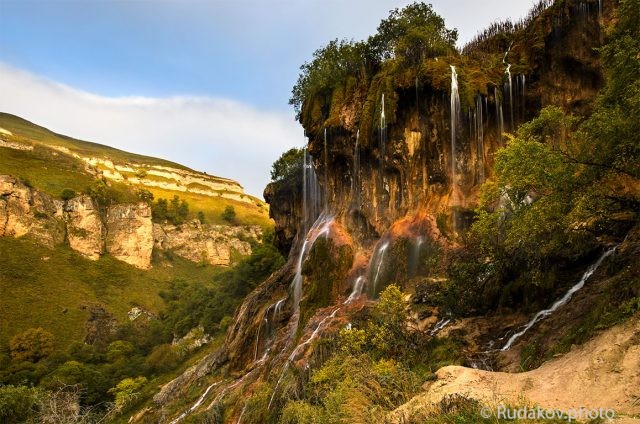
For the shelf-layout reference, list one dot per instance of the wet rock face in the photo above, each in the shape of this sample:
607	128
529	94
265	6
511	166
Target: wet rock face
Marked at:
285	201
130	234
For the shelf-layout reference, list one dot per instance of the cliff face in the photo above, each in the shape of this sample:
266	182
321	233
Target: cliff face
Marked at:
125	231
394	192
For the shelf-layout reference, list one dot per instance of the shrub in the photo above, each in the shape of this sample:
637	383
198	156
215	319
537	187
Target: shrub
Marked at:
67	194
229	214
127	391
17	403
31	345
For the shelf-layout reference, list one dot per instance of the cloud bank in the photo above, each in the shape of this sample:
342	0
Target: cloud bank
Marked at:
220	136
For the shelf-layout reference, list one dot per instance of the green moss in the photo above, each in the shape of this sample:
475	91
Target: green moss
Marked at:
324	270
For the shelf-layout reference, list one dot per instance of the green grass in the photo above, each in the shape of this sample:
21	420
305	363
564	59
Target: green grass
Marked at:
36	290
51	172
38	134
246	213
44	171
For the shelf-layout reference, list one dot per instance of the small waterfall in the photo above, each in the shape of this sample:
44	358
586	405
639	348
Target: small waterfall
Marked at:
455	113
355	172
295	352
326	172
320	228
278	308
509	85
414	257
264	321
480	136
562	301
356	291
499	117
377	260
383	141
195	405
439	326
311	193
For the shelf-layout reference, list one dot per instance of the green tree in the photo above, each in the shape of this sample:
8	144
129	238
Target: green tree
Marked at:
32	345
288	165
413	34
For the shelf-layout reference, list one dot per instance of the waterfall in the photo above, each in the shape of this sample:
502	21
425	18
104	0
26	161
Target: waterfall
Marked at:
195	405
439	326
455	112
562	301
326	172
356	291
499	117
355	172
383	141
509	85
320	228
415	256
375	266
295	352
311	193
264	321
480	135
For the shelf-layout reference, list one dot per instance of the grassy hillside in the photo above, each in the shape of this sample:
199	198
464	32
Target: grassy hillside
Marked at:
52	171
58	285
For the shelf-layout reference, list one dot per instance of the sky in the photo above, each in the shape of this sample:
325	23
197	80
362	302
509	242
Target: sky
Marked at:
204	83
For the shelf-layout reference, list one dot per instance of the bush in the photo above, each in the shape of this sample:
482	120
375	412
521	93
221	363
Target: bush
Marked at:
163	358
31	345
127	391
67	194
229	214
17	403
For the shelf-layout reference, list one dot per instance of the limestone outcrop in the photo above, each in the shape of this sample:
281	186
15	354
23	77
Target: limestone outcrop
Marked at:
130	234
85	229
125	231
212	244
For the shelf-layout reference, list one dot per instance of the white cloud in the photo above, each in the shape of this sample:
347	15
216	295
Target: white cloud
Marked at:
220	136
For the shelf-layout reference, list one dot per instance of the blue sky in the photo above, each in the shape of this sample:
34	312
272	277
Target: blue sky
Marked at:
208	60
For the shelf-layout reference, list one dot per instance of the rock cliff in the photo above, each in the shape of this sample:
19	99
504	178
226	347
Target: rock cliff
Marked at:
125	231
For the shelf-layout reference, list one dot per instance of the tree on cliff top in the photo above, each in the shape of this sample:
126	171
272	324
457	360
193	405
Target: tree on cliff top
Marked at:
288	164
409	35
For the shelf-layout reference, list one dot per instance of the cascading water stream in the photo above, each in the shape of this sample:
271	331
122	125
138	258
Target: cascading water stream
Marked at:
355	173
480	136
356	291
377	260
195	405
562	301
414	257
295	352
326	172
439	326
311	193
455	113
383	142
509	85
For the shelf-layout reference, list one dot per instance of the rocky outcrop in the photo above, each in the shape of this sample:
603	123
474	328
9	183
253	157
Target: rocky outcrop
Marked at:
284	198
24	211
85	229
212	244
125	231
130	234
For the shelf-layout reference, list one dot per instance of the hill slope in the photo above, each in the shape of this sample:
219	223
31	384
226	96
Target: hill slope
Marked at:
52	162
